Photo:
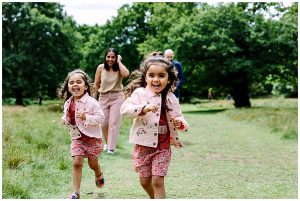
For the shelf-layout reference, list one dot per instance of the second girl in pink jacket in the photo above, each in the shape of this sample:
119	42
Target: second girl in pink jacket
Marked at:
156	117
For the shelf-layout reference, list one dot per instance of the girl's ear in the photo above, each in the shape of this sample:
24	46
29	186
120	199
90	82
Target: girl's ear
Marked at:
85	87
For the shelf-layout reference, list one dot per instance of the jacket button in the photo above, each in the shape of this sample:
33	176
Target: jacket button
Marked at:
157	114
155	124
155	134
135	110
154	143
174	129
177	138
148	103
78	134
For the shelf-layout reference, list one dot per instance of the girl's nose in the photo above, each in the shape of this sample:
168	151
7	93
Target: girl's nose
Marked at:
156	78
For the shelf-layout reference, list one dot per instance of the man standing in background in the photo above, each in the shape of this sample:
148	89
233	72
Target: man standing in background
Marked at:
169	54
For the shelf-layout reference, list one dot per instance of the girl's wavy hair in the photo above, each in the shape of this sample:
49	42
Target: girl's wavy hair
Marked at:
138	77
115	66
63	91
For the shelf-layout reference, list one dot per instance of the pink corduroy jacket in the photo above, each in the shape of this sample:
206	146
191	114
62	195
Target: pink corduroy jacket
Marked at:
144	130
94	117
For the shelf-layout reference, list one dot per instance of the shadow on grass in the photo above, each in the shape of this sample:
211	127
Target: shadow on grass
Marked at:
188	143
213	111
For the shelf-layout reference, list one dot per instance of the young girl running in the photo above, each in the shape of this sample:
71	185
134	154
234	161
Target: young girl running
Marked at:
157	117
82	117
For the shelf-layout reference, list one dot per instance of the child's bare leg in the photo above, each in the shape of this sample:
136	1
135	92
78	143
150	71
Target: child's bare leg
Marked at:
146	183
94	165
77	172
158	183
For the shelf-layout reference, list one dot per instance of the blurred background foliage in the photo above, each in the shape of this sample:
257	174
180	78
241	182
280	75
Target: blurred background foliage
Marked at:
242	49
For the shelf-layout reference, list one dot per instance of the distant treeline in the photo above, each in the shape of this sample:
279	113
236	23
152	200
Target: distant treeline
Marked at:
241	49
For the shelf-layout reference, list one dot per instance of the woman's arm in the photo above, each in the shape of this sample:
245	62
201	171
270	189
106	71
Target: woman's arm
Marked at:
123	70
97	82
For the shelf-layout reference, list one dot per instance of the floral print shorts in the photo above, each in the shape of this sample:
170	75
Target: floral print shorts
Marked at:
150	161
87	147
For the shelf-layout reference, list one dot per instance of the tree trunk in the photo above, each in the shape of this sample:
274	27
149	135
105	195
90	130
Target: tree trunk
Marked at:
240	89
19	98
241	100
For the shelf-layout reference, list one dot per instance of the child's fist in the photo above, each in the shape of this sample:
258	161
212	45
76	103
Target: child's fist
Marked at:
176	122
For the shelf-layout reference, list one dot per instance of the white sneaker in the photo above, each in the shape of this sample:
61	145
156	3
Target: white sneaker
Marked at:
110	151
104	147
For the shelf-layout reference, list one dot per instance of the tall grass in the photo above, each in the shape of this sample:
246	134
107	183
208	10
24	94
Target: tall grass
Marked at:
215	162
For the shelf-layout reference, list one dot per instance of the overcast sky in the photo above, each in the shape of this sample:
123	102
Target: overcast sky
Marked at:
92	12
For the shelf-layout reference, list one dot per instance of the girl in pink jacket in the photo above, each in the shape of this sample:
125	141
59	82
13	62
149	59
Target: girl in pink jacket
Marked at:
82	117
156	117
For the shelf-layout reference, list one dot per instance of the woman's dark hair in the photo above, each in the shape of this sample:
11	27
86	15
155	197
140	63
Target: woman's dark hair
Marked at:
63	91
138	77
115	66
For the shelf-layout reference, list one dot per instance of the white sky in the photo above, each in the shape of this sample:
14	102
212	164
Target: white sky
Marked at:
92	12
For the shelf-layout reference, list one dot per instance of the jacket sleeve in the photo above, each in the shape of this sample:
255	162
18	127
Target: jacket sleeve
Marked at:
132	106
184	125
96	116
177	114
63	117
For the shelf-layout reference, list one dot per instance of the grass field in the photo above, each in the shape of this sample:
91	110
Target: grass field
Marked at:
228	153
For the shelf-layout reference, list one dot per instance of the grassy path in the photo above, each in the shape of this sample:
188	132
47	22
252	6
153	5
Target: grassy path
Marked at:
228	159
223	157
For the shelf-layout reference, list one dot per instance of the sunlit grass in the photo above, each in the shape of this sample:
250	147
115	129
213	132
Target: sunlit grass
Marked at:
228	153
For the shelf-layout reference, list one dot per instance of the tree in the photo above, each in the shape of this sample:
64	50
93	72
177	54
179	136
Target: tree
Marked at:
229	47
38	49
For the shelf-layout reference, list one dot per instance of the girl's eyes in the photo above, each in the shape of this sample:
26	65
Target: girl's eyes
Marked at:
77	82
160	75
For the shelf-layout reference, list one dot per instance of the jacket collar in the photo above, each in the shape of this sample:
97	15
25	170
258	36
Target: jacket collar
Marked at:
82	99
151	93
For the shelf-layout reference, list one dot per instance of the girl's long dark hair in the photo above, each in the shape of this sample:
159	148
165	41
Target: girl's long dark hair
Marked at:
63	91
138	77
115	66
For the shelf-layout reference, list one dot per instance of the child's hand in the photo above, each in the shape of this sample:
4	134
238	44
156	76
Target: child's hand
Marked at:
81	116
150	108
176	122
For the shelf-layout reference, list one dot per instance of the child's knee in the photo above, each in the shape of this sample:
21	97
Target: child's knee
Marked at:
78	162
145	181
158	181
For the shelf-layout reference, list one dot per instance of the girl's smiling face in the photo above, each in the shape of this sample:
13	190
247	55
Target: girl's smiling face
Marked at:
76	86
157	78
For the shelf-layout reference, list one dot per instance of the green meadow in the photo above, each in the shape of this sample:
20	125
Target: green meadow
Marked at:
228	154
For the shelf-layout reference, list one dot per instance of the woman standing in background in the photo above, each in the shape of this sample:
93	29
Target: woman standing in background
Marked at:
108	82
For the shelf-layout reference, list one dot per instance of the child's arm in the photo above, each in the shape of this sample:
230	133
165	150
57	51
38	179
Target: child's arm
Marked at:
176	115
132	106
96	116
180	123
